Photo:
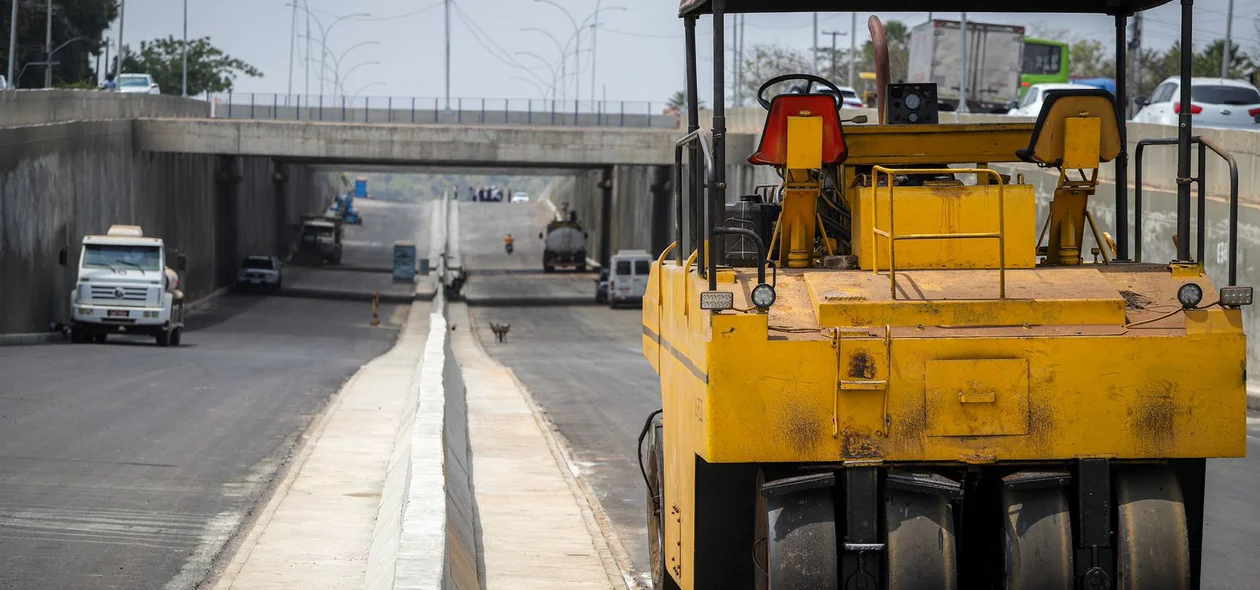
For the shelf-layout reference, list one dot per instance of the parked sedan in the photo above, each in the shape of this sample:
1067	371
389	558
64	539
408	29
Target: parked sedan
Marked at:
1214	102
260	272
601	287
138	84
1030	105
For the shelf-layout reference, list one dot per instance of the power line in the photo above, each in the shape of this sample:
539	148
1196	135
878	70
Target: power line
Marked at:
478	33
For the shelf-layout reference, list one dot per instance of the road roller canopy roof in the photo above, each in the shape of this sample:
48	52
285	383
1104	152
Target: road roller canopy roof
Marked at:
698	7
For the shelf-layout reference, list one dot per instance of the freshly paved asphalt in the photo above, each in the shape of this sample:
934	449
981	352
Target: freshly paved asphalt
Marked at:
129	466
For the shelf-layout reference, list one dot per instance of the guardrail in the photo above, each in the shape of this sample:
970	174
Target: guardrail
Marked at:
459	111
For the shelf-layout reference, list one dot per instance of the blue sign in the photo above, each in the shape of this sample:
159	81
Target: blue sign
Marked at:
404	262
360	188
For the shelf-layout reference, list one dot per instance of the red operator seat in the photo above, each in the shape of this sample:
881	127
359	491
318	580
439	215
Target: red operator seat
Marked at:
773	148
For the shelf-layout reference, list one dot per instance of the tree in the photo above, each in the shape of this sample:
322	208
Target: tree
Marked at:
767	61
85	20
678	101
209	68
1089	59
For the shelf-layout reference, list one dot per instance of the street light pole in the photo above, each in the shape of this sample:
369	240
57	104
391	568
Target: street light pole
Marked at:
577	56
184	89
12	43
852	47
307	66
448	56
292	46
48	48
962	79
834	34
1229	22
594	39
122	20
564	60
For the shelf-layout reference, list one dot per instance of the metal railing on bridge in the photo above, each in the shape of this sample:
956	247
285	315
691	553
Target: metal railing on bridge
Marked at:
429	111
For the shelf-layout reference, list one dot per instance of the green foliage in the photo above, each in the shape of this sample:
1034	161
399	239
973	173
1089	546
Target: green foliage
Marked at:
678	101
72	19
209	68
1089	59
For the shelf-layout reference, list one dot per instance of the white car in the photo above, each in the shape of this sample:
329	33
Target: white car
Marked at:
1214	102
1030	105
137	84
520	198
848	96
265	272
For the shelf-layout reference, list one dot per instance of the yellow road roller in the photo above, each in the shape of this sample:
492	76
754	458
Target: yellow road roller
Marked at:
888	371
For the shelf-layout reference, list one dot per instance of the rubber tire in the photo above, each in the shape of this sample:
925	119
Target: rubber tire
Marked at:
801	545
549	268
279	286
655	468
1038	539
176	335
100	338
581	267
1152	536
77	336
920	534
163	338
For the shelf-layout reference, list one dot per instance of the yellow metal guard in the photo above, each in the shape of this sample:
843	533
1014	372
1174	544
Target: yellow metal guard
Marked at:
999	235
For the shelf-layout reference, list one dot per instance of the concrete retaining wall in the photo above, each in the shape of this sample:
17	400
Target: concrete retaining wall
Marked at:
61	181
35	107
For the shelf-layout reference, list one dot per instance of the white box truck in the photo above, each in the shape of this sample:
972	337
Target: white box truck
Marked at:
125	286
994	63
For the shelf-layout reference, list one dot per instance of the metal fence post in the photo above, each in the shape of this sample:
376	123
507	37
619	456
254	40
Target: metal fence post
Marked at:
623	113
459	110
229	104
251	105
553	111
575	112
321	106
529	112
506	104
298	108
483	111
343	109
435	110
275	105
413	109
367	113
390	106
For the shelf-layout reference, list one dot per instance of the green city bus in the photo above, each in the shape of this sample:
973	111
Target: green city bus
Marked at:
1044	62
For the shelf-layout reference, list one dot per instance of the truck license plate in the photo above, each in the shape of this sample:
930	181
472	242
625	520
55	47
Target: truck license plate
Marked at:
117	313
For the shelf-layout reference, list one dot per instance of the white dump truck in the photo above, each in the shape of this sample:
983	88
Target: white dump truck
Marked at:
125	286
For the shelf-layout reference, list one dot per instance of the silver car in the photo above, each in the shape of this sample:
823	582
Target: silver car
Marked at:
137	84
1214	102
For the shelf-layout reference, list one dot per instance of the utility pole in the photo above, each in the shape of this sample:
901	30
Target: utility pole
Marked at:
1229	22
852	48
184	87
833	34
306	63
1135	66
48	48
962	79
815	44
739	63
448	56
122	19
292	48
13	43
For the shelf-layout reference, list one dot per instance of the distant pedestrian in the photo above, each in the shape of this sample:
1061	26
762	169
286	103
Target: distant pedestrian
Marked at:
110	84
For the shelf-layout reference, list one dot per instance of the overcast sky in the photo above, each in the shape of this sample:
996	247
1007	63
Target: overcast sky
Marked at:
639	57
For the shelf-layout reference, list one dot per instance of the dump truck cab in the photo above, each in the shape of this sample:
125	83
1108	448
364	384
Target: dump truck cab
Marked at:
917	381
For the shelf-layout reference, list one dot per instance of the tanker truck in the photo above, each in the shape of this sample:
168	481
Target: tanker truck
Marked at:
565	244
125	286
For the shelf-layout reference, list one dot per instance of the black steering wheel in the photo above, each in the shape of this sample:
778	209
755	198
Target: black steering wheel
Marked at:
810	80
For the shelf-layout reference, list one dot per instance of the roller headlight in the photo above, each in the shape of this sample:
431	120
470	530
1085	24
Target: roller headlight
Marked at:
763	296
1235	296
1189	295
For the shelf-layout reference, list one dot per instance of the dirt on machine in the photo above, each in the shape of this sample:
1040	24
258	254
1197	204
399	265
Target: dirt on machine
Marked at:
319	241
888	372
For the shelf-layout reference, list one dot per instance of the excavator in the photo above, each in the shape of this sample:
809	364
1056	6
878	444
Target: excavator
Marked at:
881	373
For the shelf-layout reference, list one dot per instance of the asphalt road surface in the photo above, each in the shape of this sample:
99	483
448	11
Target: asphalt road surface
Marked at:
125	465
499	278
372	243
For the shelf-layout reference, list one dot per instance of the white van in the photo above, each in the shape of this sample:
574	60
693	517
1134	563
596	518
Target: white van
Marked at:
628	277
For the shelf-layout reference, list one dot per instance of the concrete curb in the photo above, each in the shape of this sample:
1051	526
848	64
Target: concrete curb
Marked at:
61	335
539	301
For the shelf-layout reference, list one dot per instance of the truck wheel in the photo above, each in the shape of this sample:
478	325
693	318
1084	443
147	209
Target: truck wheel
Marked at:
76	335
581	267
175	336
164	338
549	268
100	338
